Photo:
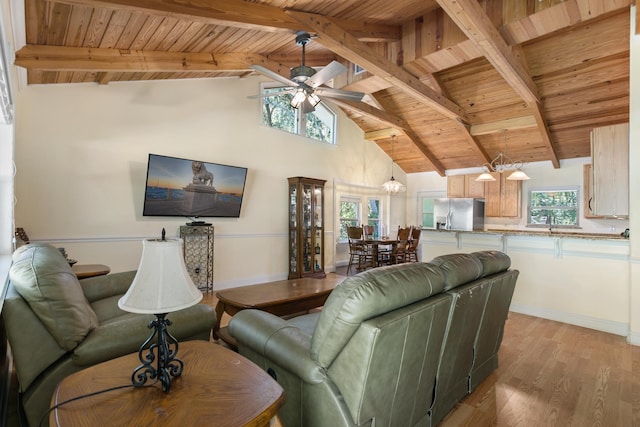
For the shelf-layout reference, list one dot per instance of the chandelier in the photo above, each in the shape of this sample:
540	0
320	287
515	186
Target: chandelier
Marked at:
392	186
502	163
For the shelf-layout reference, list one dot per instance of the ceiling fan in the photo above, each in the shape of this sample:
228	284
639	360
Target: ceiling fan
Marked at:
306	83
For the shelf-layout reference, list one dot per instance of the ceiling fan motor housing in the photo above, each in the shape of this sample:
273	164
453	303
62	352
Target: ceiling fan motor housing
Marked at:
302	73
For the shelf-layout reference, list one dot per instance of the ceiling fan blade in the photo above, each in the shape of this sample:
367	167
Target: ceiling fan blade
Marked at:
339	93
273	75
325	74
275	93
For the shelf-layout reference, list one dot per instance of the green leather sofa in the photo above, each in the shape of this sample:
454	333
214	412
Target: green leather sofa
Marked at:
393	346
57	325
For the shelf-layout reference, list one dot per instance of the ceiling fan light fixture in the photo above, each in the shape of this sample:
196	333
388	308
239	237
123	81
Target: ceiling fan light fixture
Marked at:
313	99
298	98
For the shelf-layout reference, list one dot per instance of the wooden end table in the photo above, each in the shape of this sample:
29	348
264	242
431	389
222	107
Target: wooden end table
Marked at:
83	271
217	387
281	298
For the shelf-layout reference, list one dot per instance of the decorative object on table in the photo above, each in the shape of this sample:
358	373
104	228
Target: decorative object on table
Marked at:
21	237
69	260
392	186
502	163
161	285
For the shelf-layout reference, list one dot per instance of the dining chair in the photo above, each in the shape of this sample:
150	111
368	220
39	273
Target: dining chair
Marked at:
412	249
400	253
368	231
359	252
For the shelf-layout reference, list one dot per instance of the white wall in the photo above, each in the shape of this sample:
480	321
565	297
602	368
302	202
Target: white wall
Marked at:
81	154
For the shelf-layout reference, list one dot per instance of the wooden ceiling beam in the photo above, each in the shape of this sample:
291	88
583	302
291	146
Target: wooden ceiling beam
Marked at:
471	19
375	135
338	39
395	122
513	123
239	14
474	22
61	58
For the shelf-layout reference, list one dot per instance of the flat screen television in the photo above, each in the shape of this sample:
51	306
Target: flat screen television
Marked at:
192	188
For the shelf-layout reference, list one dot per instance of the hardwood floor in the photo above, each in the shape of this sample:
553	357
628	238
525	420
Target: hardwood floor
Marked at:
553	374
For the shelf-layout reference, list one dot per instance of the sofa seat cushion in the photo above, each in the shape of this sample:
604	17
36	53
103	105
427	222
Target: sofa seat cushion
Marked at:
368	295
43	277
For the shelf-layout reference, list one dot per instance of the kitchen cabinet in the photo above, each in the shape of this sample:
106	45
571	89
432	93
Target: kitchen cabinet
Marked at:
306	227
503	198
610	170
587	193
465	186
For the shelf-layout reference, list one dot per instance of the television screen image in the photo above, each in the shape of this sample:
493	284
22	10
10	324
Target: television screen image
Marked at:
192	188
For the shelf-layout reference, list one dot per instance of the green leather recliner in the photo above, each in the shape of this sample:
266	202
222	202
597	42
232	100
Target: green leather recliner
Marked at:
393	346
57	325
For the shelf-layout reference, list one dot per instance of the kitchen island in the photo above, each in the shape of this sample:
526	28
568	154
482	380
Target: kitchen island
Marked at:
577	278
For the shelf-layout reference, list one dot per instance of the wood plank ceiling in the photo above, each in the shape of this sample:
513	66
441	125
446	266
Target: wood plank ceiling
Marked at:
456	80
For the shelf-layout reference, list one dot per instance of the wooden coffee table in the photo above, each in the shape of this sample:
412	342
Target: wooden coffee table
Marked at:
282	298
218	387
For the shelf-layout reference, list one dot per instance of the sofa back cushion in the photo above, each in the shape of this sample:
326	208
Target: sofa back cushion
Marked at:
43	277
368	295
458	269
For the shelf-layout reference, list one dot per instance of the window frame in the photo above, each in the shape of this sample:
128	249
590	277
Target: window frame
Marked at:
376	222
577	208
342	238
301	120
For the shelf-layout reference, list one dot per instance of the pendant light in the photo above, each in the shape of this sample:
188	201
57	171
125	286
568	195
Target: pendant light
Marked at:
392	186
502	163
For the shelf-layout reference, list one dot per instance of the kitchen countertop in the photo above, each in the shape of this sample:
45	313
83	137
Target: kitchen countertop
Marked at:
545	233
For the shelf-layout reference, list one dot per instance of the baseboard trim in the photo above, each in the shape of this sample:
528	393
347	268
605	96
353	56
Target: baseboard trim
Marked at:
616	328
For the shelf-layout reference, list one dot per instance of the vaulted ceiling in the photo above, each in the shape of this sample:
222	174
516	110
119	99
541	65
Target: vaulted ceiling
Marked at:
455	80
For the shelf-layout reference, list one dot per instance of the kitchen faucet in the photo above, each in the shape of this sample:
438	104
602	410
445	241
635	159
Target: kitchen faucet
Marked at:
550	221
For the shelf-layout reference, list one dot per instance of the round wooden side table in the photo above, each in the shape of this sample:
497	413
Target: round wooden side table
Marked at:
217	387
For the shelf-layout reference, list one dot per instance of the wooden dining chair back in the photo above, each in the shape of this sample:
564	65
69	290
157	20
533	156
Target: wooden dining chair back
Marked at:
359	253
400	253
414	242
368	231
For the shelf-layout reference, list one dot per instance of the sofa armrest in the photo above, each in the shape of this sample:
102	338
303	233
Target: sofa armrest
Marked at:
276	340
126	333
100	287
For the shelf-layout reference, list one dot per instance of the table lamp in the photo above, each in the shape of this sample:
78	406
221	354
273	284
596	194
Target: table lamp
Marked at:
161	285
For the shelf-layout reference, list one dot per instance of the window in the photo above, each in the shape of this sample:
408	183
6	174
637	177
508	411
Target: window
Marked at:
358	69
553	207
373	216
278	113
349	215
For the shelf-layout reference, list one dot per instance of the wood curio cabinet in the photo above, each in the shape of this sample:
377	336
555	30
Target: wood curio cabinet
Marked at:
306	227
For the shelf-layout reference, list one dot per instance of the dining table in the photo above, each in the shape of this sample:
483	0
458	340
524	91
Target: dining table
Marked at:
376	244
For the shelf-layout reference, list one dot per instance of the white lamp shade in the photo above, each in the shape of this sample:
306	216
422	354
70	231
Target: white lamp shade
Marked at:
518	175
162	283
485	176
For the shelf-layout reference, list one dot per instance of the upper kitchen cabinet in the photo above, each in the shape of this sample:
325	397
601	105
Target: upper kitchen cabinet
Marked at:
610	167
465	186
503	197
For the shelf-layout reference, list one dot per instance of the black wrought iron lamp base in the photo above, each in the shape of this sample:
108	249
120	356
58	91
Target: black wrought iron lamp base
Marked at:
163	352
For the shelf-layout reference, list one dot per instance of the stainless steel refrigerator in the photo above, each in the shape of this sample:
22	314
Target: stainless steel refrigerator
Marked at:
459	214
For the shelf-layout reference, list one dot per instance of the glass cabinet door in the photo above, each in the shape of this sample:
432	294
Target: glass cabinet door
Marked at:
306	227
